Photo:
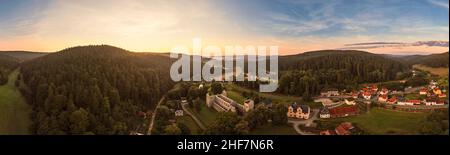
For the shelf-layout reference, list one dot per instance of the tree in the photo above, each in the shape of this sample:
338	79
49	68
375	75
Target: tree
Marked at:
242	128
216	88
184	129
172	130
79	121
279	116
225	124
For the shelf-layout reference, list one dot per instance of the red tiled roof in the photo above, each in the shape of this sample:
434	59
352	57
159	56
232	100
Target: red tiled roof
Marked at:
343	128
383	96
392	99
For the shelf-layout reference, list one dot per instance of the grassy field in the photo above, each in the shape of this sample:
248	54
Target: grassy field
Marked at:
14	111
236	96
188	121
277	98
436	71
206	115
274	130
381	121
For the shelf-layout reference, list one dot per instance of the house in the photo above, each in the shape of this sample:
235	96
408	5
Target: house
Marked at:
408	102
350	101
374	88
392	100
440	102
179	110
329	92
437	91
367	95
382	98
423	91
415	102
344	128
249	105
355	94
430	102
344	111
327	132
142	114
184	99
384	91
324	113
442	95
298	111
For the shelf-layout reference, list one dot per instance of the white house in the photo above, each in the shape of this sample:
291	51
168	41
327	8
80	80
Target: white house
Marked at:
350	101
249	105
430	102
382	98
367	95
325	113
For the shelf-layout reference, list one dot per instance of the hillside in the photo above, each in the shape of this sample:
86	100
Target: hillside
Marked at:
93	89
7	64
433	60
23	55
308	73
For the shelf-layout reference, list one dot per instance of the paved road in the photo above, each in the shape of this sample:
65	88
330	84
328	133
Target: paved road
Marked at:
150	128
308	122
197	121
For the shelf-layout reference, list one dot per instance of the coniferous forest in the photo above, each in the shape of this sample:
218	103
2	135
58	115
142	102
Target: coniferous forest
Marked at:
93	89
307	74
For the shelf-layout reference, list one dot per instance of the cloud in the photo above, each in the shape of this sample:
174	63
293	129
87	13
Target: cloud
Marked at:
440	3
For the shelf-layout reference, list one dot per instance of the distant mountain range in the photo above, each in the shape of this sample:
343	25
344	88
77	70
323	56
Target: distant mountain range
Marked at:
23	55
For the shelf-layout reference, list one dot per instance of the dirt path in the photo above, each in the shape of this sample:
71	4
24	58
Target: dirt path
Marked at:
150	128
197	121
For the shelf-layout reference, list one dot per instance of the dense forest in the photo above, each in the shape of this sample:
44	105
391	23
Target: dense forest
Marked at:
432	60
7	64
93	89
307	74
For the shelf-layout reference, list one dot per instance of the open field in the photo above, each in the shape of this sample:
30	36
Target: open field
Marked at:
206	115
274	130
14	111
236	96
381	121
441	71
277	98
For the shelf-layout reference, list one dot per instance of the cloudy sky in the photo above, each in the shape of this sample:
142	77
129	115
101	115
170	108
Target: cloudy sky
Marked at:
158	25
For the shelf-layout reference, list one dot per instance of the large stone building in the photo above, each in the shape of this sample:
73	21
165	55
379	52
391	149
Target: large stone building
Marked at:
221	103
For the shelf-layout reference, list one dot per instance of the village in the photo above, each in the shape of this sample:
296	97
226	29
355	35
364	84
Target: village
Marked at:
304	118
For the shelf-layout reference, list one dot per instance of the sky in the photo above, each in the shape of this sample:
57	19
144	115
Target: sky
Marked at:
295	26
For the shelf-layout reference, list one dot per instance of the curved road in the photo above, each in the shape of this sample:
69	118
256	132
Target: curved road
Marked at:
308	122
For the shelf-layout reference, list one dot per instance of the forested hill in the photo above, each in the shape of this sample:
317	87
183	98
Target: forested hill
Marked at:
432	60
7	64
23	55
308	73
93	89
